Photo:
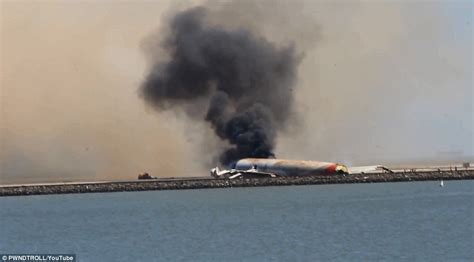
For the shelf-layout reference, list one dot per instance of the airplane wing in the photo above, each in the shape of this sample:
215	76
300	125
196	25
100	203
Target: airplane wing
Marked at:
251	174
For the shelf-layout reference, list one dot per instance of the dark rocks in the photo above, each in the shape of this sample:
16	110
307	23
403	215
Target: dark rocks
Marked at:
176	184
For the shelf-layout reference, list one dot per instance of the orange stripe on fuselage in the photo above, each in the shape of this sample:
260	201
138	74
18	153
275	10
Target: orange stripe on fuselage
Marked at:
331	168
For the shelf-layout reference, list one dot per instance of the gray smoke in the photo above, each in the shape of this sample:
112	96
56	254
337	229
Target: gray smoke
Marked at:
246	80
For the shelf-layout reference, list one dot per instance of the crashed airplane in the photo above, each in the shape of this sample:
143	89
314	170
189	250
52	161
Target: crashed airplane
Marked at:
261	167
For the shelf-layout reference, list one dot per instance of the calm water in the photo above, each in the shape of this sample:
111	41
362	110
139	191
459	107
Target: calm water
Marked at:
361	222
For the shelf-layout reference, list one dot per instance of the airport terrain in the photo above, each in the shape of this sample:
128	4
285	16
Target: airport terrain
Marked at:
396	175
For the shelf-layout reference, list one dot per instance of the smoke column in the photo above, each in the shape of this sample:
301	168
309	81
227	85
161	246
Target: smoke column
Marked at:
246	80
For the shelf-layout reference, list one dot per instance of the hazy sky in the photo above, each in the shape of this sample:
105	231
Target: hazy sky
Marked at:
385	82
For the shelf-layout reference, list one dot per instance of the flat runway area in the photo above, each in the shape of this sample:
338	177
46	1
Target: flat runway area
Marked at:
378	176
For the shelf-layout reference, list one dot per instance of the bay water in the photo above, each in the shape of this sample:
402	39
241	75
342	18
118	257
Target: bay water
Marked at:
418	221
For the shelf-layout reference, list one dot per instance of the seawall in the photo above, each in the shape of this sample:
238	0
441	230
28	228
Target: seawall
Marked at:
199	183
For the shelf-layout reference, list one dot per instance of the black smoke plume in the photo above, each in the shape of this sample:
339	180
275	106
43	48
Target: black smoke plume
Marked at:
246	79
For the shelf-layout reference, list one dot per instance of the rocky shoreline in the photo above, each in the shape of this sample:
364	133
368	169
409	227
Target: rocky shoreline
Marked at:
176	184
